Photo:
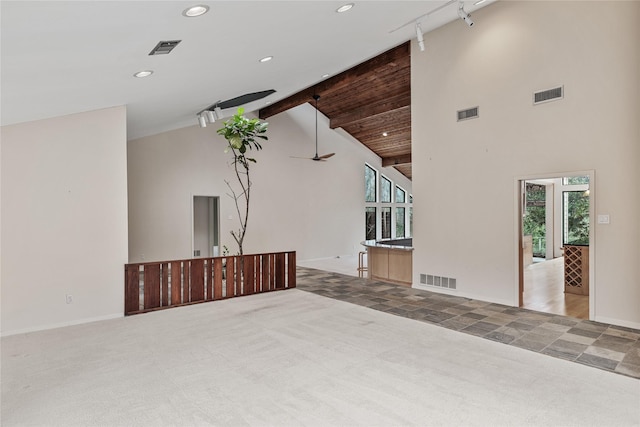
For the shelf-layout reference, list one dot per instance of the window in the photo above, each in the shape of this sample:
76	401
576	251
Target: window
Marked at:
410	222
386	222
400	222
400	195
370	223
388	212
575	180
370	178
385	190
575	217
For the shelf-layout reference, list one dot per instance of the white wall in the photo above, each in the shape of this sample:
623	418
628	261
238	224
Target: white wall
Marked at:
464	172
64	220
315	208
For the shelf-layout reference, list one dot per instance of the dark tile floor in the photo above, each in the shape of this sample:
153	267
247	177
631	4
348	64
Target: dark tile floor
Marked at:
608	347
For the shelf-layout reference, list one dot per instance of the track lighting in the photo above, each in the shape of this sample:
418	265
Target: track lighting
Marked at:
419	36
201	121
211	117
218	112
466	17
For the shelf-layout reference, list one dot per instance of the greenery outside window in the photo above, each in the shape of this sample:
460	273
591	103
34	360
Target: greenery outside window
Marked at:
370	223
385	190
386	222
400	232
575	206
400	195
370	184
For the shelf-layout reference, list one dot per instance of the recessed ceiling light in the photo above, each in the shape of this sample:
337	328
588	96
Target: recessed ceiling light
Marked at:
344	7
145	73
324	76
194	11
385	134
266	59
479	2
267	103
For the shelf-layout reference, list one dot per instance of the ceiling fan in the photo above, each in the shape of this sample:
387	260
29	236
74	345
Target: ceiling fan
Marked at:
316	157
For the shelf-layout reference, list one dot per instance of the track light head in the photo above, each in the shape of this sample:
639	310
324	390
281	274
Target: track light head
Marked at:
201	121
211	117
466	17
218	112
419	36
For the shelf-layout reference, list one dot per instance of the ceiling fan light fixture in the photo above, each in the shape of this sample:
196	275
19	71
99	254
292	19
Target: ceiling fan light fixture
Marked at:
195	11
345	7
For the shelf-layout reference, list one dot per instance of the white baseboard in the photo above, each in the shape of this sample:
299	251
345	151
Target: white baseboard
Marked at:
618	322
458	293
62	324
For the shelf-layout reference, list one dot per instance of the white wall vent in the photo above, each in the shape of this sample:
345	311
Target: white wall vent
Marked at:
548	95
438	281
469	113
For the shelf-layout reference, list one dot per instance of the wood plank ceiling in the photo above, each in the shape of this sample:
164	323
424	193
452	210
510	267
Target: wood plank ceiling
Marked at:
367	101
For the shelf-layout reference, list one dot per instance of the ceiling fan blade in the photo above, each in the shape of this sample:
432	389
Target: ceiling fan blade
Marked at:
244	99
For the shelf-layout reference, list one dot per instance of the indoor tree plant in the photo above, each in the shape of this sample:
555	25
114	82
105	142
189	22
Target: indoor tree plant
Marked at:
242	134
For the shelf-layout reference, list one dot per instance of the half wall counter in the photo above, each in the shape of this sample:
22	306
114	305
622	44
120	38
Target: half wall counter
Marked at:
390	260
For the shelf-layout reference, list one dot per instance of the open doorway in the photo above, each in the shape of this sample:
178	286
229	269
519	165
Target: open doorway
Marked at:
555	223
206	226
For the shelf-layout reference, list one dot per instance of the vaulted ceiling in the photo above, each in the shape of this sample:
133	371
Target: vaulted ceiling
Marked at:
67	57
371	101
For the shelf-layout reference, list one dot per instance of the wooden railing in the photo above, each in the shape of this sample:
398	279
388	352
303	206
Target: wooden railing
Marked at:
153	286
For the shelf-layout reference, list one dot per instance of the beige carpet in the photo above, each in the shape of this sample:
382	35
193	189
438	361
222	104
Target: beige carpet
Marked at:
294	358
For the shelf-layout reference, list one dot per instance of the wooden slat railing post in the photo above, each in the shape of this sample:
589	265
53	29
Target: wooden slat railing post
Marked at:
258	273
165	283
197	280
231	277
280	266
248	275
176	283
291	264
217	278
132	288
209	275
151	286
186	269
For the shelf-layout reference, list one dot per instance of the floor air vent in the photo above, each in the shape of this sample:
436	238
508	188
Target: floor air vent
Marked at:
469	113
438	281
548	95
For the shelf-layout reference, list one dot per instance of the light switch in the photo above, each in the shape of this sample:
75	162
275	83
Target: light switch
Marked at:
603	219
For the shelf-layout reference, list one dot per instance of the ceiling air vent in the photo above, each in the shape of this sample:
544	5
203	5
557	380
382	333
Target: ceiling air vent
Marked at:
548	95
470	113
164	47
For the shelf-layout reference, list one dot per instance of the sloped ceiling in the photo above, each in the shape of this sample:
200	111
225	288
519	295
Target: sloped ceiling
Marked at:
371	101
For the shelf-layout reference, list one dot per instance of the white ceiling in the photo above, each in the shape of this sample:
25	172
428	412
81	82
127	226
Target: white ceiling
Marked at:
65	57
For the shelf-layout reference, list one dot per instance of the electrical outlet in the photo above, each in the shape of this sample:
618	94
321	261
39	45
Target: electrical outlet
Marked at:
69	298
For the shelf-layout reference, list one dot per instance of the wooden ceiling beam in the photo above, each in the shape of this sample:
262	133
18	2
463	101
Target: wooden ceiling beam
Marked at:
391	105
396	160
390	59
